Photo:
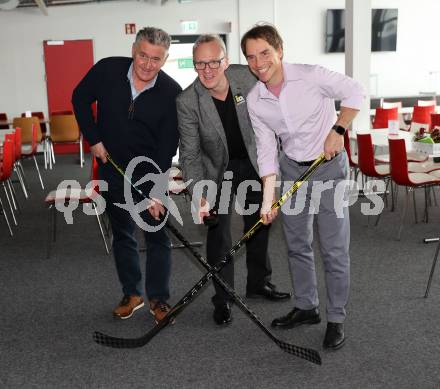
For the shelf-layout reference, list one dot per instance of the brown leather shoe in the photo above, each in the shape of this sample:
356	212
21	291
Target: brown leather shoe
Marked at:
127	306
159	310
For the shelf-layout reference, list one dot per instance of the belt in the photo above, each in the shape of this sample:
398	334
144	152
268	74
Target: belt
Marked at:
304	163
308	163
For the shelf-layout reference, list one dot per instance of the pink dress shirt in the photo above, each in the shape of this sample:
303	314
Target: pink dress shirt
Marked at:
303	114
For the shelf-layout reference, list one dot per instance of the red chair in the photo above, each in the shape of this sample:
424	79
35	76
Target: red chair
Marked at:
383	115
435	121
18	167
401	175
5	175
421	116
12	136
352	159
367	164
4	118
82	197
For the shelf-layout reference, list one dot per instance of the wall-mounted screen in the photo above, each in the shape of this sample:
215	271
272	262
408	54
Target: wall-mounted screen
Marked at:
383	30
335	31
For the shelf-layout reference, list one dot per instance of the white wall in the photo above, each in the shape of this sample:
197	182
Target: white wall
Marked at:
404	72
301	23
22	32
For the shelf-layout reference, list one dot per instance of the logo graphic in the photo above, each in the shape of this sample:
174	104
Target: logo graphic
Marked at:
239	99
158	193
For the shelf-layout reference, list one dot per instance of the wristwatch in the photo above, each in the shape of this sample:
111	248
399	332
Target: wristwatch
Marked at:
339	129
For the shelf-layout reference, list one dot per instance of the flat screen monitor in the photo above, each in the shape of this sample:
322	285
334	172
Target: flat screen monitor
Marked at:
335	31
383	30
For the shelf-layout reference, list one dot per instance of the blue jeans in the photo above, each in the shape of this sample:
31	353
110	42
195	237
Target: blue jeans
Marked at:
125	250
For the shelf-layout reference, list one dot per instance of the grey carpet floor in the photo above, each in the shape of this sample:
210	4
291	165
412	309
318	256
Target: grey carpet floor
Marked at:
50	308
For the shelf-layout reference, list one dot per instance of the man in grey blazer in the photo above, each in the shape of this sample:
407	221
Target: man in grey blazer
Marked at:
217	144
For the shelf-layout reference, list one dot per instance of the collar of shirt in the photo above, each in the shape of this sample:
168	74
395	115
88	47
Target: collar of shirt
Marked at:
134	92
289	74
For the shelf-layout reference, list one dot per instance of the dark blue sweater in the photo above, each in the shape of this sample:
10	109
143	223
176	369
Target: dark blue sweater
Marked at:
151	130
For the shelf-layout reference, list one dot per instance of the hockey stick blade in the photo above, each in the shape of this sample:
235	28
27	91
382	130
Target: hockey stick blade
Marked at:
304	353
114	342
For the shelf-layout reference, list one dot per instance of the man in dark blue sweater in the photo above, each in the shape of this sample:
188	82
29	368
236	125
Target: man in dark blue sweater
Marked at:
136	116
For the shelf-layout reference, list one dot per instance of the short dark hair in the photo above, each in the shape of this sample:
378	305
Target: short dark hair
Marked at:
155	36
264	31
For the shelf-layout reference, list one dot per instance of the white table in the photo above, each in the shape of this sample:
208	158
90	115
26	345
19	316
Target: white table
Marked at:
379	136
404	110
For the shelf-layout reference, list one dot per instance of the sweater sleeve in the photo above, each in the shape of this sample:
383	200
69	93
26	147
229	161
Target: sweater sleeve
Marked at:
84	95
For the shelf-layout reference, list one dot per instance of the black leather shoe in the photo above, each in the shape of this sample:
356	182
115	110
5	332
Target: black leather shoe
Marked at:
334	336
222	314
268	291
296	317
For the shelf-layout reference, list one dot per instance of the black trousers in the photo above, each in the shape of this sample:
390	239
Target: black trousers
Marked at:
219	240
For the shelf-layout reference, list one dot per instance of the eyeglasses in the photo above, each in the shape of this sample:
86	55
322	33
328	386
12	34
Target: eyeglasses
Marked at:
211	64
144	58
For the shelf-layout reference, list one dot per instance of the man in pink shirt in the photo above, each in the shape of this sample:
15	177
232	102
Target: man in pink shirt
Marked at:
293	105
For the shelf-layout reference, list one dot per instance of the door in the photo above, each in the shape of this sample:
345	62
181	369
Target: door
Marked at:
66	63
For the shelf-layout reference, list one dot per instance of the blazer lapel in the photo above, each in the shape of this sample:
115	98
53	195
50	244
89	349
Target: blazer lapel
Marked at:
242	113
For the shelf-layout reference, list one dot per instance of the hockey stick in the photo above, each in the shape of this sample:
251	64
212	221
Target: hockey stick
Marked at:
308	354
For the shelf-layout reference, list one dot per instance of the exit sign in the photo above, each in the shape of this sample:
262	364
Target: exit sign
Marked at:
189	26
185	63
130	28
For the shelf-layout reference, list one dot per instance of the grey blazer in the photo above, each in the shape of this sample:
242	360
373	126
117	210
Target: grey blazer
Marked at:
203	151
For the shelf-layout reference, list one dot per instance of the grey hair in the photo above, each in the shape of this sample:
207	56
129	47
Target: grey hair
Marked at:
207	38
153	35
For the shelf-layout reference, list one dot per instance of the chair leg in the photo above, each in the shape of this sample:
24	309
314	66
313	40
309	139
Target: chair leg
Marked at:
384	199
431	274
52	152
392	194
10	205
45	153
54	221
385	194
6	217
21	180
23	174
402	218
435	197
38	171
49	232
51	228
13	195
415	207
98	217
427	189
81	151
106	223
396	195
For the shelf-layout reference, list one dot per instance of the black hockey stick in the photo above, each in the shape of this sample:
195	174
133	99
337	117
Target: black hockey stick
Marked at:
308	354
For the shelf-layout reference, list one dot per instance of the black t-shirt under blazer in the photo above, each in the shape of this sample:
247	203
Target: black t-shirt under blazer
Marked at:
228	116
